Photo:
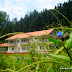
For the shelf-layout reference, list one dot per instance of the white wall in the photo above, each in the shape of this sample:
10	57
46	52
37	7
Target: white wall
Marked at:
24	50
18	45
10	50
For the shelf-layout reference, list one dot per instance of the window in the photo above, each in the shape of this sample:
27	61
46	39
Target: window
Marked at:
11	42
23	48
40	47
23	40
17	41
27	48
35	38
3	49
19	49
6	49
46	46
27	40
43	46
12	49
31	38
43	39
14	42
52	45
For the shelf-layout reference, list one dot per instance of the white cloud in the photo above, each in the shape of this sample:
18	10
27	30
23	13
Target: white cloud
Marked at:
48	4
18	8
15	8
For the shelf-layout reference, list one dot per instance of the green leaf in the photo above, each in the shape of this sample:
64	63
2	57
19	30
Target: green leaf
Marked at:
60	56
51	70
69	42
71	35
37	67
53	40
57	51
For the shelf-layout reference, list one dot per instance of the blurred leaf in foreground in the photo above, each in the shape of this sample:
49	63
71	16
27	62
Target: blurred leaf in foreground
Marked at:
69	42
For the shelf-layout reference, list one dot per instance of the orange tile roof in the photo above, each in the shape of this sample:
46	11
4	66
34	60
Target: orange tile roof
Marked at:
36	33
39	33
3	45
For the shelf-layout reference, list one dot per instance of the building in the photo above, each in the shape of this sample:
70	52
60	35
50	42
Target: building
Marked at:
3	47
21	43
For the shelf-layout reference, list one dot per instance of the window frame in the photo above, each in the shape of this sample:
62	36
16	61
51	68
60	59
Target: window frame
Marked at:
23	47
18	41
12	49
27	48
40	47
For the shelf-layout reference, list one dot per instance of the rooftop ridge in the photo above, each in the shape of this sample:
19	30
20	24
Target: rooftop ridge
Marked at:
28	34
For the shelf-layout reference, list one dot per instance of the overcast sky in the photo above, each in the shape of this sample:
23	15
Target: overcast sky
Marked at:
18	8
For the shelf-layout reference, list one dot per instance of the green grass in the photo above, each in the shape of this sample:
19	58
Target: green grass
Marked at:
41	62
36	62
11	61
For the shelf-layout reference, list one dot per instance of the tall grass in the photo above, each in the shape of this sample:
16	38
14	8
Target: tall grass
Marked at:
53	61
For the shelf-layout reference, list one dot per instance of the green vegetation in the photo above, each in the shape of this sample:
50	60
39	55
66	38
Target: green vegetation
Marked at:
35	20
59	56
36	62
53	61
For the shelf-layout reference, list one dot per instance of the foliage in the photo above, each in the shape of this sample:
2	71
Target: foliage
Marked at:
52	61
35	20
34	61
69	42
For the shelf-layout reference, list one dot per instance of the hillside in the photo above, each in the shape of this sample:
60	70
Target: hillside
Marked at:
35	20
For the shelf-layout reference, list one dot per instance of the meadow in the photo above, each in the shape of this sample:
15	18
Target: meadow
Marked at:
52	61
59	59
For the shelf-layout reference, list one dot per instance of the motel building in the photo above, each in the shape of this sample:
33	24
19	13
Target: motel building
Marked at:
21	43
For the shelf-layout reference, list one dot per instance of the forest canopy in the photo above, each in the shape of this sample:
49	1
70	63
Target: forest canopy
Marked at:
35	20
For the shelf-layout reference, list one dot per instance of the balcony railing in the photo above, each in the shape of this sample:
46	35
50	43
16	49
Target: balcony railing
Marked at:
10	44
39	41
26	42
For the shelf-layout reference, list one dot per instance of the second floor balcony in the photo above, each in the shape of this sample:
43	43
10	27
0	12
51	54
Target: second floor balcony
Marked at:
11	44
25	41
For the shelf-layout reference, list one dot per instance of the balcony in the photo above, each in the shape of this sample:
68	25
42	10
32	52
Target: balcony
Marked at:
39	41
26	42
42	40
11	44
